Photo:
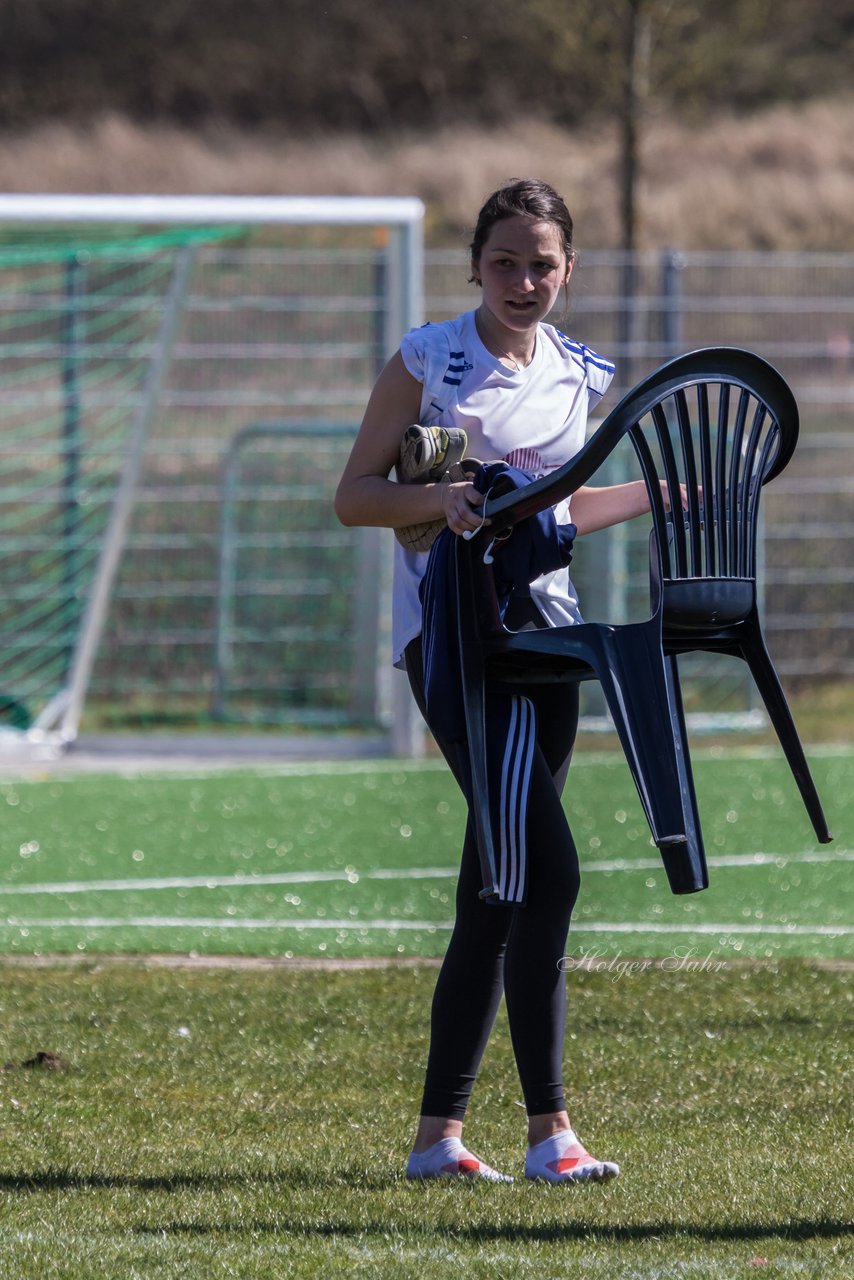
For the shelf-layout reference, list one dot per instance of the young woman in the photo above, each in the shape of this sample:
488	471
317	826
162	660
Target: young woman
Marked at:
521	390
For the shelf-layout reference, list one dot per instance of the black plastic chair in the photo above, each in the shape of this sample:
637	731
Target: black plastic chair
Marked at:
721	422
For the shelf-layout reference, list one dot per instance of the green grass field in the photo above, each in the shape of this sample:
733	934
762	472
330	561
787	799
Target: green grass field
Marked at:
359	859
226	1119
255	1124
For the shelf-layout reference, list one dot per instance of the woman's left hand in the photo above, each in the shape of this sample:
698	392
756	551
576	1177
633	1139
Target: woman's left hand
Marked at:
683	494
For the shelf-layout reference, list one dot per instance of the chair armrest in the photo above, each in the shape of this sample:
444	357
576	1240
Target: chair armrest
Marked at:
508	509
713	365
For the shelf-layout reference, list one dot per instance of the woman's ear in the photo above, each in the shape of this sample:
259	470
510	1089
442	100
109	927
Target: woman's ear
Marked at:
475	273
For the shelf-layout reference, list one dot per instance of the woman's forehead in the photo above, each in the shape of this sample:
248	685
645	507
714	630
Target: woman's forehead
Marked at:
524	234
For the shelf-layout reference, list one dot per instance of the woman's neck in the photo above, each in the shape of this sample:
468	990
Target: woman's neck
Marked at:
516	350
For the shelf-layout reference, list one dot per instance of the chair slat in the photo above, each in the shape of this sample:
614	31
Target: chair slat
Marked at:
735	460
771	442
706	473
721	506
748	492
671	475
689	471
657	510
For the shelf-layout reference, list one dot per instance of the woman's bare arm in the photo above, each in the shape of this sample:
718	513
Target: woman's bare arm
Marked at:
592	509
366	495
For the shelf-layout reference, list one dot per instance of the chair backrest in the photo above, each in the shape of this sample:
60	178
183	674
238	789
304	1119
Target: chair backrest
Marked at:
722	423
719	420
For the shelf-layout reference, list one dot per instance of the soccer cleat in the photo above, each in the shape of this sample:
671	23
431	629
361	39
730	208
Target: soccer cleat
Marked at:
426	453
430	455
562	1158
448	1158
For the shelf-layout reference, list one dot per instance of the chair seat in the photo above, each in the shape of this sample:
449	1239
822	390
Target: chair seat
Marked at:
509	661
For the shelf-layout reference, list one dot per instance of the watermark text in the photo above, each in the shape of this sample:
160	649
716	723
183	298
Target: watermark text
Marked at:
682	960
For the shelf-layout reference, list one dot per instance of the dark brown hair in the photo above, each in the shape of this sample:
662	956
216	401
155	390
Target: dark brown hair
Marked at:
528	197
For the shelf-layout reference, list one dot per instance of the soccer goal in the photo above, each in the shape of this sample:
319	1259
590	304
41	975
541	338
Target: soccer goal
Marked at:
180	381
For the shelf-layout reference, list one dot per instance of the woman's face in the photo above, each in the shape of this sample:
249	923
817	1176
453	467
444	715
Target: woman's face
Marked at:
522	267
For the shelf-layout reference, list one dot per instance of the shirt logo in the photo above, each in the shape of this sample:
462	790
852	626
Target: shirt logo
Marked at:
456	368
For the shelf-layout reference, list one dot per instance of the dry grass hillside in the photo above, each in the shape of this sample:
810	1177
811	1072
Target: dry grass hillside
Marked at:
781	179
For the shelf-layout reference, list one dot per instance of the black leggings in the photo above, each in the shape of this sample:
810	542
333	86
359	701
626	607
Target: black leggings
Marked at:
514	949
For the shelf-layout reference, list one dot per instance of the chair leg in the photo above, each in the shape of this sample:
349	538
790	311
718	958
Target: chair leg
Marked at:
762	669
692	862
644	702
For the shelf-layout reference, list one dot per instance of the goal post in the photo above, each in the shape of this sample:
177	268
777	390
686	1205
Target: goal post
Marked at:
139	337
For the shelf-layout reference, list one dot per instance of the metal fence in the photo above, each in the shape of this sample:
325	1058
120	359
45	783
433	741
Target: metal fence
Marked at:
240	599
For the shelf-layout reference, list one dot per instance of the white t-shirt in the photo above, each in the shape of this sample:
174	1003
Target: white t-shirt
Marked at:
533	418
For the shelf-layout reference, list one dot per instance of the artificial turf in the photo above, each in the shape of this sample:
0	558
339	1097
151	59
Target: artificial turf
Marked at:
360	859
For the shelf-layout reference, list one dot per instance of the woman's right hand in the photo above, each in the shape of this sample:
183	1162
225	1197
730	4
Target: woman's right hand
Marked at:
460	506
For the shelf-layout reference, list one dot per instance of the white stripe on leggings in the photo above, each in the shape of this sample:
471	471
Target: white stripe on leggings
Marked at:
515	783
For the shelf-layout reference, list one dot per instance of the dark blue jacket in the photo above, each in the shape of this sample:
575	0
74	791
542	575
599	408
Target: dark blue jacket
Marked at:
535	546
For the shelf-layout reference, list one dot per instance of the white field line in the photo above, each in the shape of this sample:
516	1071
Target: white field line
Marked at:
743	860
217	768
394	926
52	770
232	881
725	860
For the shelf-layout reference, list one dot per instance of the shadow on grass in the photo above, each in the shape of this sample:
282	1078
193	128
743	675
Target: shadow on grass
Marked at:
66	1180
71	1180
822	1228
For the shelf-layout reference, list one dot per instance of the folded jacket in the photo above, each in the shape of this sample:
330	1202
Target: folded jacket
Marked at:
533	547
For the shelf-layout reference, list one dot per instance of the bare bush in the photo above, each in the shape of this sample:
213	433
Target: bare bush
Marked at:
781	179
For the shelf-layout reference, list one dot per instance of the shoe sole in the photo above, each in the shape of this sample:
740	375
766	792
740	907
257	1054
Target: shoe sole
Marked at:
605	1174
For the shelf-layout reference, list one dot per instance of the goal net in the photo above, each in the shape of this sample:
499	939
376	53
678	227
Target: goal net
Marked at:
180	381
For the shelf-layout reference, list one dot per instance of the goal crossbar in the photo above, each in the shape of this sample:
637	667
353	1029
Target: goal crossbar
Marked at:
295	210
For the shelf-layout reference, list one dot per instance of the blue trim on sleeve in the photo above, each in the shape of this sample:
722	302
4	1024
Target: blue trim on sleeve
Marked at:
588	355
